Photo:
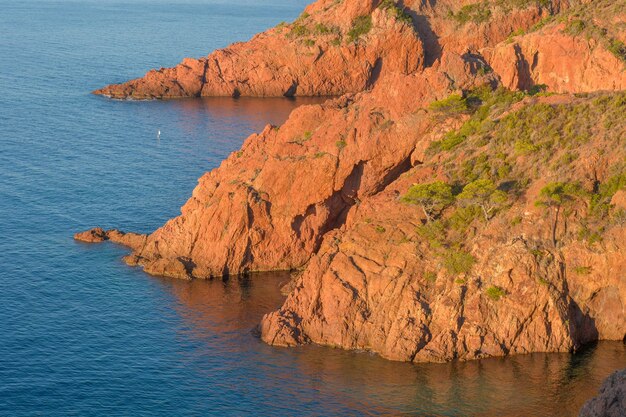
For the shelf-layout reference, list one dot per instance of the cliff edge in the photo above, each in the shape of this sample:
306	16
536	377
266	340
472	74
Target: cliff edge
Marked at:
464	197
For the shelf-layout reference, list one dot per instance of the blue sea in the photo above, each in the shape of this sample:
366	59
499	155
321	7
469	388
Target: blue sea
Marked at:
83	334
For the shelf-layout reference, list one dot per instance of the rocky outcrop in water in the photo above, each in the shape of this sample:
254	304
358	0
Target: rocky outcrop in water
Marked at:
98	235
345	47
528	258
611	400
309	57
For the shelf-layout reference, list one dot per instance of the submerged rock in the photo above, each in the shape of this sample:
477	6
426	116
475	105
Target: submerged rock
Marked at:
97	235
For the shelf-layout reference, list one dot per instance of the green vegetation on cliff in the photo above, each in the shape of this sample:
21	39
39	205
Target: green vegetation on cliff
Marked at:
574	146
396	11
360	26
476	13
483	11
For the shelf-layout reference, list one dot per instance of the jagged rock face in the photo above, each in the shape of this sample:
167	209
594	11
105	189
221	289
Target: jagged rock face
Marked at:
321	192
315	55
376	285
284	62
611	400
560	62
132	240
269	205
369	288
601	293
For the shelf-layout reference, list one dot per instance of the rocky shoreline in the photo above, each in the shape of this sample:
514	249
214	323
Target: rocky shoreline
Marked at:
462	198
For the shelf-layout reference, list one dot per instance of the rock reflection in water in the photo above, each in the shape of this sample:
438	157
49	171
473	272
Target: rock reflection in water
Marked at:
221	317
237	114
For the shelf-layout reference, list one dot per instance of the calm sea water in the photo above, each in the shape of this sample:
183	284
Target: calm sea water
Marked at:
83	334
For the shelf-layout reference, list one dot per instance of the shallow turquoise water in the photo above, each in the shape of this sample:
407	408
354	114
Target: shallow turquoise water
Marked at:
83	334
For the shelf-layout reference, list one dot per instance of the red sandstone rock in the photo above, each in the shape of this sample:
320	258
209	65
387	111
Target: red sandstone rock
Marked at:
315	57
298	195
132	240
96	235
280	62
561	62
367	288
619	200
259	211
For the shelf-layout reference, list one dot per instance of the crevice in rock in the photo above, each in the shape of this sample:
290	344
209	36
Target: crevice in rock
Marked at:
188	264
393	174
203	80
291	91
375	73
430	40
524	77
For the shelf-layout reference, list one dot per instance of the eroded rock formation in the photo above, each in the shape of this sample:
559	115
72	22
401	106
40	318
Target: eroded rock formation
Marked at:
329	51
380	285
322	193
307	58
560	62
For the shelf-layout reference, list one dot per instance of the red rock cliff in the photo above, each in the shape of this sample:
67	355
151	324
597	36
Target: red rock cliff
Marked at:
317	55
322	192
384	283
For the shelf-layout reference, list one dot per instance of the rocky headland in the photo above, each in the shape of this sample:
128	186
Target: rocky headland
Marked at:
463	196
